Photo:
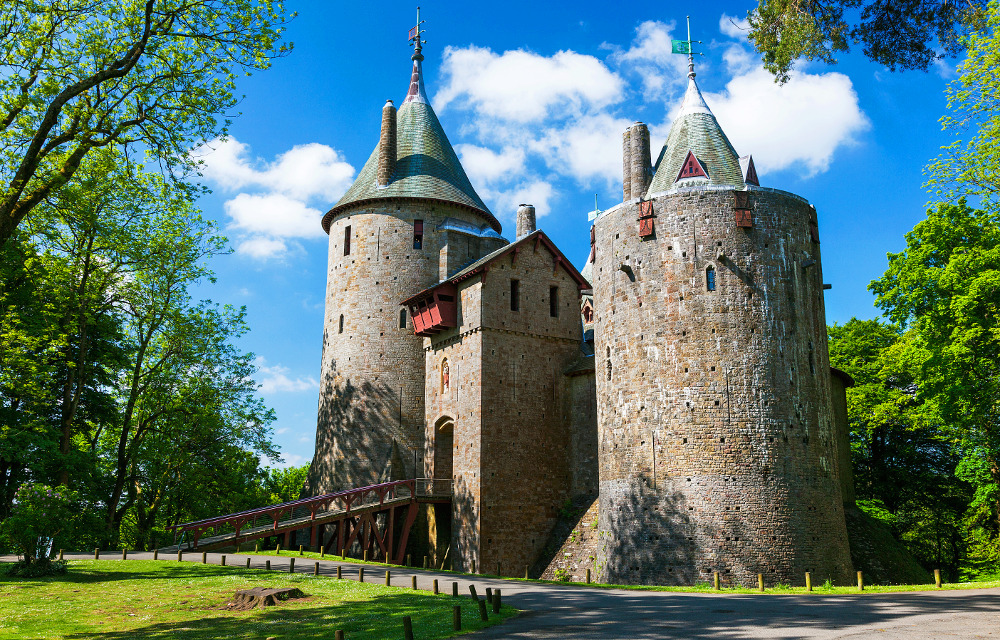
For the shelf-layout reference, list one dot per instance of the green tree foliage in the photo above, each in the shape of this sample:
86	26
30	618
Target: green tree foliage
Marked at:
945	289
156	75
900	34
970	166
40	514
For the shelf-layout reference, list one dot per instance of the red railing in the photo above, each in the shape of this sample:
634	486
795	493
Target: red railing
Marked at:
352	498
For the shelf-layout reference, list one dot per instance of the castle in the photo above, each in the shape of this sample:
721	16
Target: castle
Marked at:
681	377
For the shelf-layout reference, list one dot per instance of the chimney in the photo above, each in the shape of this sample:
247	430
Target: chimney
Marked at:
627	165
642	167
525	220
387	146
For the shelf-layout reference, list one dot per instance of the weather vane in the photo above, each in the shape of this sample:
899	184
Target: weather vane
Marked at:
415	35
684	46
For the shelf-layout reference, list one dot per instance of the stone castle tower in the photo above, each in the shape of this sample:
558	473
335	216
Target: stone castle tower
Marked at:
716	435
409	220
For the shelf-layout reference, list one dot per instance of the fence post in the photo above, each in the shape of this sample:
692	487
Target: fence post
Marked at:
365	556
267	565
97	553
414	578
387	579
407	628
256	548
322	551
760	581
316	569
937	575
482	611
715	580
277	549
179	555
61	555
340	575
409	560
425	562
156	554
454	589
809	581
248	563
489	595
861	582
456	617
588	576
525	572
124	554
338	635
361	574
435	586
300	549
291	565
496	601
223	561
472	590
473	566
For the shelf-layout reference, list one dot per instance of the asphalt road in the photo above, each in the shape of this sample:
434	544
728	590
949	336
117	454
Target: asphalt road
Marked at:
565	611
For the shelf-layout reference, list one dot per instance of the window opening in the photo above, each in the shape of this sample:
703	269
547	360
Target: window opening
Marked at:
341	330
402	318
515	295
554	302
445	376
710	278
609	362
418	234
347	240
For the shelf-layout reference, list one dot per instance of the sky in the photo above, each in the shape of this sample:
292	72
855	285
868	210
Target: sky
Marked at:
534	97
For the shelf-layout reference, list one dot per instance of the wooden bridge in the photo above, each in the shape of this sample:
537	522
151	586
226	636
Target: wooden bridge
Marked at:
336	520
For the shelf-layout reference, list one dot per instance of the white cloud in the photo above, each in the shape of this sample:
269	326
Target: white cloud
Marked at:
485	165
275	379
734	27
274	215
262	248
651	58
799	124
303	172
537	193
586	148
522	86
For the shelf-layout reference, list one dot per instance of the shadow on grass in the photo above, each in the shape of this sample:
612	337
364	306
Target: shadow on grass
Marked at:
90	572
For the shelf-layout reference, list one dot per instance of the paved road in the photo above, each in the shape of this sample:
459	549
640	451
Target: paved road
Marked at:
565	611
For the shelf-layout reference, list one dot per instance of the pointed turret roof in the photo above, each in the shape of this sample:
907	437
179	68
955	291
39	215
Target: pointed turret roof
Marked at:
427	166
696	130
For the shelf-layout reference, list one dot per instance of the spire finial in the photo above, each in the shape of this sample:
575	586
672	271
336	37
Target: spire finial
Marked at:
691	73
416	40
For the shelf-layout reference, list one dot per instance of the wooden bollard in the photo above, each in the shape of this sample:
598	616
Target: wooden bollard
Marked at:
472	590
937	575
760	581
715	580
473	566
435	586
809	581
180	555
156	554
277	549
526	572
409	560
97	553
407	628
482	611
361	574
322	551
456	617
223	563
124	554
387	579
588	576
340	575
496	601
425	562
338	635
861	582
267	565
316	569
414	582
291	565
204	557
365	556
248	563
454	589
489	595
256	548
239	546
61	555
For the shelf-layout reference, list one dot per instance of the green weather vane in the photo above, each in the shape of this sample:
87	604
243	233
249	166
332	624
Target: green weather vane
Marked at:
684	46
416	34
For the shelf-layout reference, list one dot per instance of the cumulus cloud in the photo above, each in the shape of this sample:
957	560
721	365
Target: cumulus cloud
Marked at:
734	27
799	124
522	86
485	165
586	148
650	57
275	379
278	199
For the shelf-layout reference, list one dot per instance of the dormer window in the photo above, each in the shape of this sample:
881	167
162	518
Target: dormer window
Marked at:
692	168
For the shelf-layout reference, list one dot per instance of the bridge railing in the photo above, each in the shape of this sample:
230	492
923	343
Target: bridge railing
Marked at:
296	509
434	488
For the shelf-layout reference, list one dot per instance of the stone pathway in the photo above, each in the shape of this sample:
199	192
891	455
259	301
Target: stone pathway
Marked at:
567	611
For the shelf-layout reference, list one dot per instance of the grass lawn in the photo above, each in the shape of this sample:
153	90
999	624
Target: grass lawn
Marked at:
109	599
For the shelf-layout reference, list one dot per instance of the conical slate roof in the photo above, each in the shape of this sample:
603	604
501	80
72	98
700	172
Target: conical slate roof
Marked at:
695	129
427	166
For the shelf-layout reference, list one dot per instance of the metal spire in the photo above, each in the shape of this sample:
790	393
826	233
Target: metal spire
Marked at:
415	38
691	73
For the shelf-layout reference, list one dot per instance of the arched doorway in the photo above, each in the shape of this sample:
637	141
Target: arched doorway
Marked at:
444	447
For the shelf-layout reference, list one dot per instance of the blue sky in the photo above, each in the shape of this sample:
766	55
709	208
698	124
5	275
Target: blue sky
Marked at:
534	97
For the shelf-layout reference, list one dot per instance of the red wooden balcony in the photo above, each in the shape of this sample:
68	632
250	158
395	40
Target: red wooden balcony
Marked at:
435	312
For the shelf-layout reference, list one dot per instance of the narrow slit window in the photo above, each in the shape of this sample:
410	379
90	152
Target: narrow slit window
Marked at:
347	240
554	302
515	295
402	318
418	234
341	329
710	278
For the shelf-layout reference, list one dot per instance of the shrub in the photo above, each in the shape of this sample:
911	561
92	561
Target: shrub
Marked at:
40	513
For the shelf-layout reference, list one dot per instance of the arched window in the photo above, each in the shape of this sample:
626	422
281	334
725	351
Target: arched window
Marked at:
445	376
341	330
402	318
609	362
710	278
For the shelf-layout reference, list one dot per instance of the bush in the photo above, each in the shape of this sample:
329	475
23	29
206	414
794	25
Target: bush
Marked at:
37	569
40	513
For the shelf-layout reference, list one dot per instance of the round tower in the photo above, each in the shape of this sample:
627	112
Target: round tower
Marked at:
389	239
717	450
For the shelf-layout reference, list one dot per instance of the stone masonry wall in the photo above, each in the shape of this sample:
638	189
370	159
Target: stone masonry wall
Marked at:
715	423
372	373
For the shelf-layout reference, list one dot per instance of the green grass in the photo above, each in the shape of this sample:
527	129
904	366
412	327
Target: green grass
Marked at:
114	600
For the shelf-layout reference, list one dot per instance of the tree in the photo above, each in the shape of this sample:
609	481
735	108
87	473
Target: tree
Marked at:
970	166
41	513
901	34
150	75
945	287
